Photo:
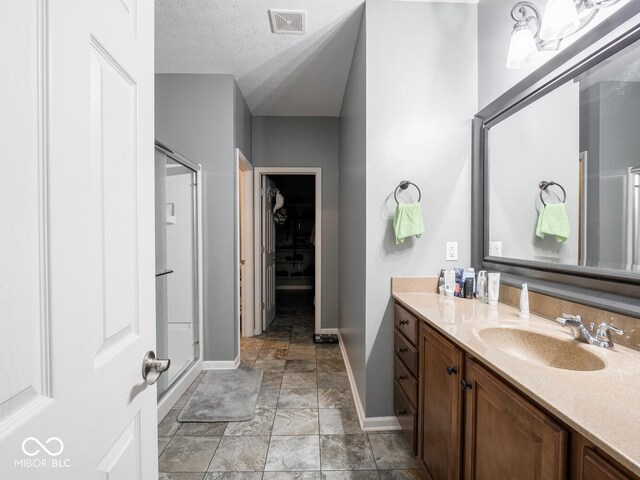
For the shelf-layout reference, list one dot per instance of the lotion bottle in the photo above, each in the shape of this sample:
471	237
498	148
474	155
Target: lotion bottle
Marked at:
524	302
494	287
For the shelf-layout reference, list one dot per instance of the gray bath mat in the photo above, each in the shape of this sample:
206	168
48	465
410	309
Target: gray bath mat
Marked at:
224	396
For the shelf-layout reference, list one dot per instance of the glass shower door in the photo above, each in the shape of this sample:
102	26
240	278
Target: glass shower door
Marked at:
176	267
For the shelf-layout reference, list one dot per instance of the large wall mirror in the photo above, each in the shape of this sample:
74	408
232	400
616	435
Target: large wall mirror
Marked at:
557	174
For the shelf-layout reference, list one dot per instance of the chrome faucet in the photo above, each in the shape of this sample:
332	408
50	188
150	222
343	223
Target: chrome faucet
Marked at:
601	338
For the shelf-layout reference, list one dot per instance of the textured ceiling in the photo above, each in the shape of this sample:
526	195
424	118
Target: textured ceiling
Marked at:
286	75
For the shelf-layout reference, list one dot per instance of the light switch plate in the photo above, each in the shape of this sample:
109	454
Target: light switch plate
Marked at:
452	252
495	249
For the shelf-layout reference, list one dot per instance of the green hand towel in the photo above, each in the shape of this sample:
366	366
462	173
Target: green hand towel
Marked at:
408	221
553	220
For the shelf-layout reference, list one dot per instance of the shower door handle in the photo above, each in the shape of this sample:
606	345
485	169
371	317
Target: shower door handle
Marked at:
153	367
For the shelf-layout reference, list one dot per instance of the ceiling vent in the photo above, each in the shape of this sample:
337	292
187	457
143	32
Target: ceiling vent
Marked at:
288	21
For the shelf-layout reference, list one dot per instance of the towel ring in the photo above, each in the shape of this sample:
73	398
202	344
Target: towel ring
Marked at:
544	185
403	186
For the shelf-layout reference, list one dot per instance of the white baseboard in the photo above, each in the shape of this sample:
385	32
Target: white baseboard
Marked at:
330	331
368	424
221	365
167	402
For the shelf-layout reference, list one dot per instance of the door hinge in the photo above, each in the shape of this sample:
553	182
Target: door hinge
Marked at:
263	306
263	249
262	192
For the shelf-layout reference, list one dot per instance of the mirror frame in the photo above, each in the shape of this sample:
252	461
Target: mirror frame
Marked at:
613	290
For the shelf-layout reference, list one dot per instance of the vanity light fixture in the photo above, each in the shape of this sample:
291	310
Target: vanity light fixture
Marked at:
534	32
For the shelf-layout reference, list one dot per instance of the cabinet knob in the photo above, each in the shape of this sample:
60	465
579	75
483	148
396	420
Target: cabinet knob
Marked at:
404	322
452	370
402	350
402	377
401	412
466	385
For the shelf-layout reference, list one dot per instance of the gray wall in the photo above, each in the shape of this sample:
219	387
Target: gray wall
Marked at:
242	122
421	97
308	142
353	185
196	115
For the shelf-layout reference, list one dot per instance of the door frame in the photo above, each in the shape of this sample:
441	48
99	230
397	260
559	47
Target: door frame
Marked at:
317	173
244	240
170	398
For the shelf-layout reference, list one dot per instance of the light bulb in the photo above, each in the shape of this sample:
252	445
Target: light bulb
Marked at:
560	19
522	48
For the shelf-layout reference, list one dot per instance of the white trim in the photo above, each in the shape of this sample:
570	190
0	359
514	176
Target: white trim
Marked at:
317	172
368	424
221	364
244	171
333	331
167	402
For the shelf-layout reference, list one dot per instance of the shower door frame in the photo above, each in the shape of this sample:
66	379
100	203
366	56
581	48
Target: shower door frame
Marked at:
186	378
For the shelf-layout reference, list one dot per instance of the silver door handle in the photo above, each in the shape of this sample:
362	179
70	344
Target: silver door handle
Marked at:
152	367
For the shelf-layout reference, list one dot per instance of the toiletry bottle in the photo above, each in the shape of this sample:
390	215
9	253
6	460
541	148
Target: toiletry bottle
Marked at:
441	289
524	302
470	273
468	288
459	291
494	287
482	286
449	282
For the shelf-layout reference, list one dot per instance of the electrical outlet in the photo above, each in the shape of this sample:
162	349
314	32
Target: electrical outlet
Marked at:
452	252
495	249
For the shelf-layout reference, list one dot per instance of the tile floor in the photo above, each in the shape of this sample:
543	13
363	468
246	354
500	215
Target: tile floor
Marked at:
306	425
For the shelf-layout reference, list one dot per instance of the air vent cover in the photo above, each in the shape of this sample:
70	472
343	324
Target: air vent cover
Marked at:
288	21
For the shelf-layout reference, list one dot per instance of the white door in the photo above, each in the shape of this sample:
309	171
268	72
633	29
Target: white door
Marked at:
77	293
268	254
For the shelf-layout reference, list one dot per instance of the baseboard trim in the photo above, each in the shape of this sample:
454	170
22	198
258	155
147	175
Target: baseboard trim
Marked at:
330	331
368	424
221	365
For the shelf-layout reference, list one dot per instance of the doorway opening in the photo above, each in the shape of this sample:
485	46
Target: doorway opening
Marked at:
288	247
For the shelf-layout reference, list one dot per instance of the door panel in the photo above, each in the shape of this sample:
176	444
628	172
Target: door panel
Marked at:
441	405
506	436
268	254
77	284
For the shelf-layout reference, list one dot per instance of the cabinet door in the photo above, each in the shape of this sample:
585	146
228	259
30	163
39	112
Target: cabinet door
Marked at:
441	405
506	437
595	467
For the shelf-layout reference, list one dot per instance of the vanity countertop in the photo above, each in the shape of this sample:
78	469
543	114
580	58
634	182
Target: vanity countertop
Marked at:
602	405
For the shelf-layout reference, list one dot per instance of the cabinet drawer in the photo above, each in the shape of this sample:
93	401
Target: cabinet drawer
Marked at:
407	382
407	353
407	417
407	324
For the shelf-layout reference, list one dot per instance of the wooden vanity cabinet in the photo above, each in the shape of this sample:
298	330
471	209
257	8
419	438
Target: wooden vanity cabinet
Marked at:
405	395
464	421
506	436
440	405
587	463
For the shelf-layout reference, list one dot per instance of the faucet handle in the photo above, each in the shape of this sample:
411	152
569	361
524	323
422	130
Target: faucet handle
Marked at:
604	329
569	319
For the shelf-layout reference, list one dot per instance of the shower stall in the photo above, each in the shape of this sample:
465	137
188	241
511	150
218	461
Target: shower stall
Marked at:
178	279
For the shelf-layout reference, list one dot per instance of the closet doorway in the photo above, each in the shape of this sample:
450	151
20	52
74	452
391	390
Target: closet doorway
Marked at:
288	252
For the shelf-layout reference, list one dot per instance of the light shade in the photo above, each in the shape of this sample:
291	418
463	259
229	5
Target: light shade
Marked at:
559	20
522	48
